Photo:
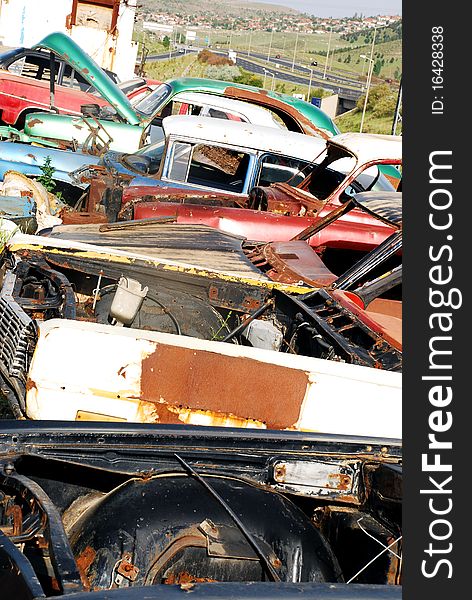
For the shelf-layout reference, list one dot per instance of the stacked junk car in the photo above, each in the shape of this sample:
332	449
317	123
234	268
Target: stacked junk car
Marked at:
200	344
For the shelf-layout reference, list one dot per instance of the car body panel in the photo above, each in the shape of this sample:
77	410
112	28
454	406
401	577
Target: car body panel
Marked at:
291	153
298	115
19	210
166	474
119	136
287	208
19	94
64	46
363	401
29	160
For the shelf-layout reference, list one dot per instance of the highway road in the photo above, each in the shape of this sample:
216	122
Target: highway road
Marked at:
316	71
334	85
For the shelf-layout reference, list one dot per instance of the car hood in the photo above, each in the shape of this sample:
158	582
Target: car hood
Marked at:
65	47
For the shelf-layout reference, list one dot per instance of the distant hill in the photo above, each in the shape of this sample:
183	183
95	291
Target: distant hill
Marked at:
221	8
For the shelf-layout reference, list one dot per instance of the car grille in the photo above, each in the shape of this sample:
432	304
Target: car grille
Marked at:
17	337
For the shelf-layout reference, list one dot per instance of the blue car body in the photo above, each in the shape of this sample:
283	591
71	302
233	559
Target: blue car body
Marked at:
28	160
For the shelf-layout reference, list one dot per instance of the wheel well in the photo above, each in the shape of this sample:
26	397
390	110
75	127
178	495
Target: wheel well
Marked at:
20	121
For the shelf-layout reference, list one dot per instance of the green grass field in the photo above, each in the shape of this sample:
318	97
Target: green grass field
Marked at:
352	121
304	47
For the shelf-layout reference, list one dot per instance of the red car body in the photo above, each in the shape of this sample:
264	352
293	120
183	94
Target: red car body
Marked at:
280	221
21	95
281	212
356	230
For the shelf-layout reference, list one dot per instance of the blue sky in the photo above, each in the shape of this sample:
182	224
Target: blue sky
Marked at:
342	8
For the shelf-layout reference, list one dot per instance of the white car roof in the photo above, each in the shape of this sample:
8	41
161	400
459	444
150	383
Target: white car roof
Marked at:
245	135
369	146
254	114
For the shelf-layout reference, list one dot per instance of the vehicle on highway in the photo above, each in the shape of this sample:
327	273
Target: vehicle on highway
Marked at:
127	128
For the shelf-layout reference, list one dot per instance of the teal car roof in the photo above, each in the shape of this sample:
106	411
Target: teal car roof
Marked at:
311	112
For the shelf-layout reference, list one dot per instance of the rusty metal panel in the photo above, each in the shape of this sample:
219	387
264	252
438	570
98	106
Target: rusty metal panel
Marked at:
221	385
262	99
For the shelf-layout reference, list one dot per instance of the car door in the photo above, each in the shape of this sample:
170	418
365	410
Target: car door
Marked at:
209	166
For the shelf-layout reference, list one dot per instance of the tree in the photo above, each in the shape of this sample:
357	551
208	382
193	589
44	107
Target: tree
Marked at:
377	67
166	42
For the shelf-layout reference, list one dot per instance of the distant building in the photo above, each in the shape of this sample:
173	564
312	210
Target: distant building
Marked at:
103	28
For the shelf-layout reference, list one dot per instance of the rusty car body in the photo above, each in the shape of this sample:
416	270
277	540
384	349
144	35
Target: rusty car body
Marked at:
350	164
127	127
201	156
196	282
113	509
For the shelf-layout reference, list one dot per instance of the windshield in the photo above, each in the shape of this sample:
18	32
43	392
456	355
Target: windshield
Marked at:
153	101
334	169
146	160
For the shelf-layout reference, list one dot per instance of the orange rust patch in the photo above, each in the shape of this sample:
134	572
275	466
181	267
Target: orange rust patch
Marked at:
34	122
84	560
31	385
179	378
186	578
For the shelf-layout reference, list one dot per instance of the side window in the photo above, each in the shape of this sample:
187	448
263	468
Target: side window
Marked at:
217	114
218	167
277	169
209	166
184	108
220	114
180	161
74	80
35	67
17	67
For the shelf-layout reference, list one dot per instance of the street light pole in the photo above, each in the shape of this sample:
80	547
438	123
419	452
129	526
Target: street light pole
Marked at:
170	42
397	110
270	44
369	78
249	49
332	59
295	52
265	76
327	53
309	85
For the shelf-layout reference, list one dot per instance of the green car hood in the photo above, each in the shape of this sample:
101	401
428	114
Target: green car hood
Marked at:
64	47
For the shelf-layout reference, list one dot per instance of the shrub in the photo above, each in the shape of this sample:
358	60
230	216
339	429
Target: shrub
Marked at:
223	73
210	58
247	78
